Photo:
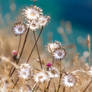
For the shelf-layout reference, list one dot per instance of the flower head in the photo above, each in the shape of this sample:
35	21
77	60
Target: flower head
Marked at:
53	72
41	77
24	71
69	80
33	25
32	13
19	28
59	54
43	20
53	46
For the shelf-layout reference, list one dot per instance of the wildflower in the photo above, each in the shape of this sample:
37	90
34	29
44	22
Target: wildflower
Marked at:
24	71
53	46
41	77
32	13
15	55
19	28
49	65
43	20
53	72
59	54
33	25
69	80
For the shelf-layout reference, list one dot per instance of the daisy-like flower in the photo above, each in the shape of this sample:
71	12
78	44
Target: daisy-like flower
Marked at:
43	20
19	28
41	77
32	13
53	72
53	46
24	71
33	25
59	54
69	80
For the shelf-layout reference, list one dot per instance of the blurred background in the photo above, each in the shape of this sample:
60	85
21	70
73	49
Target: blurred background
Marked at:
71	20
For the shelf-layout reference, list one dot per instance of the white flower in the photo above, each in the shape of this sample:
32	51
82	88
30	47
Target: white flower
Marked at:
19	28
33	25
24	71
53	46
59	53
53	72
69	80
41	77
43	20
32	13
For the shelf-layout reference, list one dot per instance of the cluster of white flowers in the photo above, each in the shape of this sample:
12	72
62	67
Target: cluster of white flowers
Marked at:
69	80
34	18
24	71
19	28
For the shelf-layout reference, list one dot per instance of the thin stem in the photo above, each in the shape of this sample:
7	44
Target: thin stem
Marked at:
47	89
59	78
16	83
21	51
37	50
63	89
34	87
19	43
87	86
34	46
17	52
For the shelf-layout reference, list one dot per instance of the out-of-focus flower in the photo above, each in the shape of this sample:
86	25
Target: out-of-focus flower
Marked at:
33	25
53	46
53	72
14	53
32	13
49	65
19	28
69	80
43	20
59	54
41	77
24	71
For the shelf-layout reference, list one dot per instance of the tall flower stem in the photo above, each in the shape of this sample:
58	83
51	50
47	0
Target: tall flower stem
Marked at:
87	86
59	78
17	51
37	50
34	46
19	43
21	51
16	83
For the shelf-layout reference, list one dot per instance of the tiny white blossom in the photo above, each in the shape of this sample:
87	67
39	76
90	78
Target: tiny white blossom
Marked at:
19	28
41	77
24	71
69	80
53	72
53	46
59	54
